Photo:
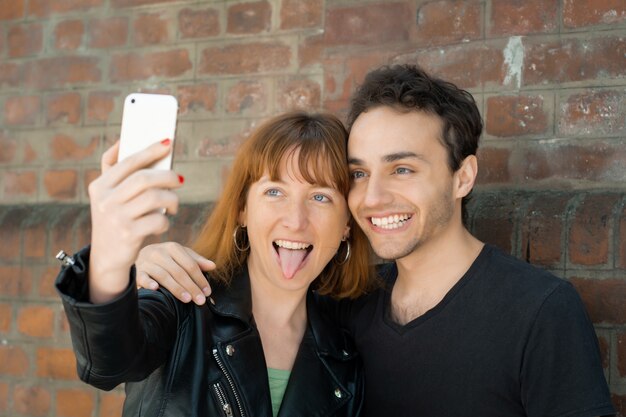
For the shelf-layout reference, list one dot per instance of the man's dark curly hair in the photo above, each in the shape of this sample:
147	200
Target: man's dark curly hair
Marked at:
408	88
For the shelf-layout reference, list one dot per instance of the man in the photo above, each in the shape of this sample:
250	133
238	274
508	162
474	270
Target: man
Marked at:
459	328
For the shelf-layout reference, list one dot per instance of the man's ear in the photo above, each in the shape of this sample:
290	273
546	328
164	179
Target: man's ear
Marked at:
465	176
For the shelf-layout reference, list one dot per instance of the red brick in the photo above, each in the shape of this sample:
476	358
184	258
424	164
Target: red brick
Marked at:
621	255
11	9
61	71
89	176
56	363
220	146
35	235
111	404
8	148
11	226
68	35
198	23
590	230
493	165
36	321
301	14
75	403
593	113
9	74
100	105
603	298
4	396
44	8
5	319
619	402
33	401
151	29
29	153
448	21
13	360
20	183
108	33
15	281
132	3
517	17
579	13
61	184
245	58
25	40
62	230
63	148
197	97
310	50
133	67
64	107
299	94
368	24
248	18
621	354
571	60
542	229
22	110
47	276
494	221
247	96
516	115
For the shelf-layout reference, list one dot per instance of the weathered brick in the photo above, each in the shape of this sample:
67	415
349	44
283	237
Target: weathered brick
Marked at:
590	230
523	17
34	234
8	149
197	97
89	176
100	105
109	32
31	400
133	67
619	402
11	9
64	147
9	74
4	396
198	23
47	276
20	183
61	71
311	50
64	107
580	13
15	281
593	113
61	184
36	321
621	354
369	24
25	40
301	14
75	403
245	58
299	94
574	59
21	110
56	363
604	343
603	298
133	3
11	246
493	165
44	8
448	21
30	154
152	29
68	35
13	360
111	404
621	251
249	18
516	115
247	97
6	315
494	220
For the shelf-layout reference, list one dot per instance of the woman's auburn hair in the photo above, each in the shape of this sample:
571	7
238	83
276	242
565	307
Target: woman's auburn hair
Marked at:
321	140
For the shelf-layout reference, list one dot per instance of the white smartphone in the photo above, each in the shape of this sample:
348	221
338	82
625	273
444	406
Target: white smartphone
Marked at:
146	119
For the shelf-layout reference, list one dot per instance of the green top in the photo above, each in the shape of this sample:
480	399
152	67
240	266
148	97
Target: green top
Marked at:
278	379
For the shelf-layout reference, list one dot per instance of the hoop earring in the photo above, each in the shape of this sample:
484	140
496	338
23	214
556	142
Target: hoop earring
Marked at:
345	259
236	241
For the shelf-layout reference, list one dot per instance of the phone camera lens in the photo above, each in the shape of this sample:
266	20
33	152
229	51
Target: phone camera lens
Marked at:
132	101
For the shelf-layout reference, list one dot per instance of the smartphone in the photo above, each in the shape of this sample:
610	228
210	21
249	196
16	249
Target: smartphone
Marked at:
146	119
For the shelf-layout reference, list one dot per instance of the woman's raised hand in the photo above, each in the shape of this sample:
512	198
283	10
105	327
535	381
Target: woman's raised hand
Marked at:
176	268
129	202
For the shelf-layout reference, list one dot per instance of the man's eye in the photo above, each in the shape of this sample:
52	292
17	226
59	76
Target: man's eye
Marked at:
357	174
403	170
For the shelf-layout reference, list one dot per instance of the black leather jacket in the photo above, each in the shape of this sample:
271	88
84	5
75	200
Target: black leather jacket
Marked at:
184	360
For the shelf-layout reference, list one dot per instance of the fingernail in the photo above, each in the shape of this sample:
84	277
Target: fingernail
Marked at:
166	142
206	291
200	299
181	179
186	297
153	285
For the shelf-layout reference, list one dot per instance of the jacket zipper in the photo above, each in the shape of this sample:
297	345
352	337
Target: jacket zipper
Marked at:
230	381
223	400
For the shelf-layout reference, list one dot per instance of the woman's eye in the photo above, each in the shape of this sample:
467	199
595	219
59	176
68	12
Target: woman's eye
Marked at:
273	192
321	198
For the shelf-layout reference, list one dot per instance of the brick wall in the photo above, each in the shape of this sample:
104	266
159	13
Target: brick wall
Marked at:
549	77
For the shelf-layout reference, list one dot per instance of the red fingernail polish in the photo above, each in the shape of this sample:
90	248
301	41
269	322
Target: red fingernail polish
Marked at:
181	179
166	142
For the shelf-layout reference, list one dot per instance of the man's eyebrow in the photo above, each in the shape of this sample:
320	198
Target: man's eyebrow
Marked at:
392	157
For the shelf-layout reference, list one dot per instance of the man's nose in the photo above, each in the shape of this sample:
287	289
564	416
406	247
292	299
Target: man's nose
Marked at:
376	193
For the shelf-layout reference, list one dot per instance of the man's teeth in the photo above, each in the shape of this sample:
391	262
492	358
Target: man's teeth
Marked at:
292	245
390	222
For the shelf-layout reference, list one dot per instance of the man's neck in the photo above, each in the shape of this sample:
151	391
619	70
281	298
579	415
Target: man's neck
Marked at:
427	274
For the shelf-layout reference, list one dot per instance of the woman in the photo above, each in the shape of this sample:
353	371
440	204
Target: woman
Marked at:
260	347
